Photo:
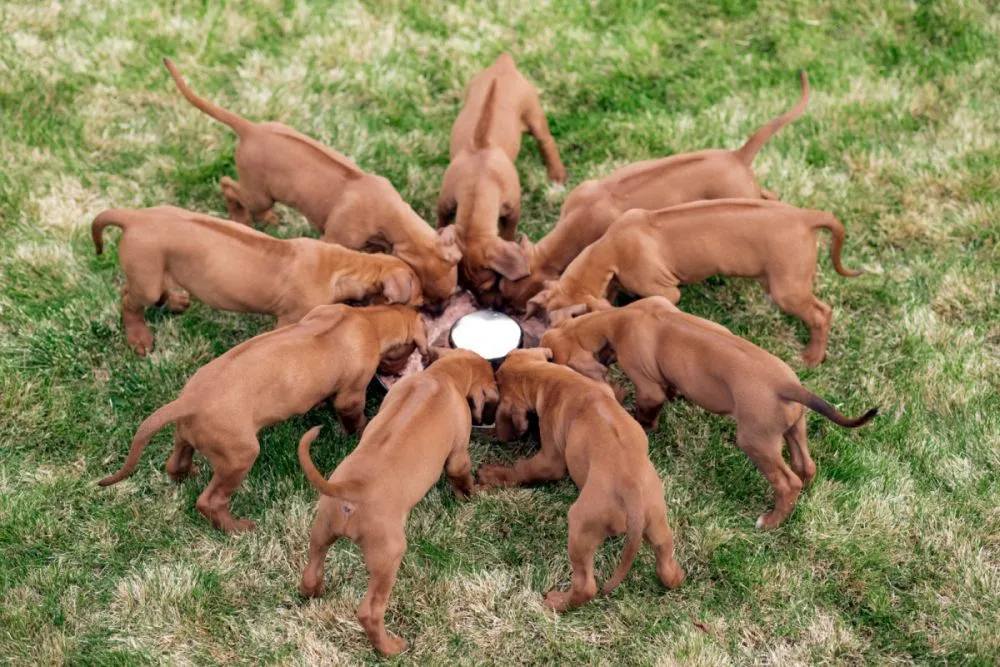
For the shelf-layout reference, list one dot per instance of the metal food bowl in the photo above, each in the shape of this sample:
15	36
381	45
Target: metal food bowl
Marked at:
490	334
462	324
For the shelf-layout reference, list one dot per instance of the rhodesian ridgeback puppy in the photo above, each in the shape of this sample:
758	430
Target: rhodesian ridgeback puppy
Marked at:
422	427
347	205
650	253
667	354
481	188
332	353
585	431
168	253
652	184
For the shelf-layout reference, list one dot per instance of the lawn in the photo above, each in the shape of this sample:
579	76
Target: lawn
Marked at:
893	554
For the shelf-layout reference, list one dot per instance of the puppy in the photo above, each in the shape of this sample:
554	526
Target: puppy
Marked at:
652	184
423	426
167	253
650	253
481	185
667	353
585	431
348	206
332	353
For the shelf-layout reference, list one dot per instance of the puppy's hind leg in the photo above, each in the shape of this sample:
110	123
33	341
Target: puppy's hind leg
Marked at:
588	526
661	538
817	315
137	332
383	554
245	204
538	125
324	534
175	298
798	450
180	462
230	462
764	449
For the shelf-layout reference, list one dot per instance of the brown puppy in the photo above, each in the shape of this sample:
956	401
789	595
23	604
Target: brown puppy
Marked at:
585	431
423	426
652	184
667	353
332	353
167	252
650	253
347	205
481	185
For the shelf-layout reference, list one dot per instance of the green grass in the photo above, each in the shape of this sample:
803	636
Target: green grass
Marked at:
892	555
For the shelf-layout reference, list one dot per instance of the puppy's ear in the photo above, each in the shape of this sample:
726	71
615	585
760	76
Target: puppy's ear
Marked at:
595	305
436	352
484	398
508	259
569	312
512	420
420	337
584	363
537	303
448	244
397	286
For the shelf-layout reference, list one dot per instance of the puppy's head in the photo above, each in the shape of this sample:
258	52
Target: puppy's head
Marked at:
438	270
568	350
400	285
483	393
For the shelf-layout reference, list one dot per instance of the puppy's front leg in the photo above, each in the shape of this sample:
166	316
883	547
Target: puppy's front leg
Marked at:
544	466
350	407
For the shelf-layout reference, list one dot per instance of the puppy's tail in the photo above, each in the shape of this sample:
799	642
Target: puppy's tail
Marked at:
631	498
747	151
829	221
239	124
117	217
480	137
170	412
320	483
800	394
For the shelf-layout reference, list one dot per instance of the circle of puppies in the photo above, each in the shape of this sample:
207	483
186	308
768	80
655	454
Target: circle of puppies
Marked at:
646	228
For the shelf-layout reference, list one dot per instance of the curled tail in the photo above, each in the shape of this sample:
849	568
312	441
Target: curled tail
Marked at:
480	138
800	394
239	124
168	413
631	498
320	483
747	151
117	217
828	221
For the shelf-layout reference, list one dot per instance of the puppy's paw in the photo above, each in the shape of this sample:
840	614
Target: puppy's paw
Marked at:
557	600
242	526
392	645
768	521
494	475
813	358
178	300
269	217
141	342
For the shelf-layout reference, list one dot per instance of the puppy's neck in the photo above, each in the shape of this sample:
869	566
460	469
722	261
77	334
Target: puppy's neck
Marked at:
589	274
394	326
478	211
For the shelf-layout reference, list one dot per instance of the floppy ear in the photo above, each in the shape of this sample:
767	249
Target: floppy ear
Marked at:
512	420
584	363
595	305
420	337
567	313
397	286
484	397
508	259
435	352
448	244
537	303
